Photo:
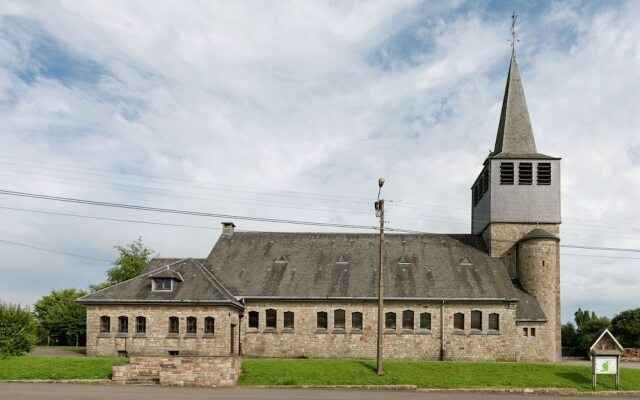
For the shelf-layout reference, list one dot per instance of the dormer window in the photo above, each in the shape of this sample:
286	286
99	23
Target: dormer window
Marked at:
162	284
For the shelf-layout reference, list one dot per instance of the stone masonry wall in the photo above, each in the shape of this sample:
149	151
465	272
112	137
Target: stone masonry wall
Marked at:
157	341
180	371
305	340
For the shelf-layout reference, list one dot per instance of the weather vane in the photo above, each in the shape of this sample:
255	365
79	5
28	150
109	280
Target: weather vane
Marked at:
514	37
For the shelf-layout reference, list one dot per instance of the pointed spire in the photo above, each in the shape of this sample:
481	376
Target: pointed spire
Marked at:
514	131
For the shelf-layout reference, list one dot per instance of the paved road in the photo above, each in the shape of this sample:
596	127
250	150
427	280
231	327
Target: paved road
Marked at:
36	391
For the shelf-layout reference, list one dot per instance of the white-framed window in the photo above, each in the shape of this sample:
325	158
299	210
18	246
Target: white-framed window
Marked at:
162	284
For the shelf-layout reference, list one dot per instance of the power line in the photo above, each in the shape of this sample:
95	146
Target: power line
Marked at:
53	251
248	218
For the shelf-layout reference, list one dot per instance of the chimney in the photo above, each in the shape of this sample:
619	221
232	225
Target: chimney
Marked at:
227	228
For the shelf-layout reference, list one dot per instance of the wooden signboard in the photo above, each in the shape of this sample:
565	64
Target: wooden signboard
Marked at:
605	353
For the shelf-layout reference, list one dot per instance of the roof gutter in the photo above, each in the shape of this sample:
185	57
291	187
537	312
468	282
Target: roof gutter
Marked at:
438	299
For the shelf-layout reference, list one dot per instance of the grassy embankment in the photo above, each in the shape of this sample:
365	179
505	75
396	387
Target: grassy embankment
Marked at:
24	367
430	374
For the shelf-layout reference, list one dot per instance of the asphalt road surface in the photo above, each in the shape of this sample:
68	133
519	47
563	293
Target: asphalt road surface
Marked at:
57	391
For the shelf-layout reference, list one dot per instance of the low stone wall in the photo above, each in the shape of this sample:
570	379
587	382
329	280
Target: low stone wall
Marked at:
179	371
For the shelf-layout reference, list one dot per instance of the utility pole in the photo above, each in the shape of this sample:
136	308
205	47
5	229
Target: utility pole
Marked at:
380	213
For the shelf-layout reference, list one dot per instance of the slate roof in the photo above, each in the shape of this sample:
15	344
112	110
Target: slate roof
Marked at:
528	307
344	266
198	286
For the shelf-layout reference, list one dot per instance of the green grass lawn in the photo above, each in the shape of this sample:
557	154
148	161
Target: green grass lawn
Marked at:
24	367
74	348
429	374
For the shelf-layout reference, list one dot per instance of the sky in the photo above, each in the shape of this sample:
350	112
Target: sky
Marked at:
293	110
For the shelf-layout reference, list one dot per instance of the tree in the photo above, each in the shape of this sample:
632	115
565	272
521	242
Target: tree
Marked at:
569	335
588	324
130	263
626	327
18	330
60	315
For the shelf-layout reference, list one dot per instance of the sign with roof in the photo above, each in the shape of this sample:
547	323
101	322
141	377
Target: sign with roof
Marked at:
605	351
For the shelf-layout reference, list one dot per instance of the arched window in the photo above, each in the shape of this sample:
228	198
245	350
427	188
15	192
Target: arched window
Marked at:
141	324
476	320
425	321
174	325
322	320
390	321
356	321
254	319
210	325
123	324
338	319
494	322
458	321
105	324
272	318
192	324
407	320
289	322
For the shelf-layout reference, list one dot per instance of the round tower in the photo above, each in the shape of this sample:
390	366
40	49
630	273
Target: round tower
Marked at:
539	274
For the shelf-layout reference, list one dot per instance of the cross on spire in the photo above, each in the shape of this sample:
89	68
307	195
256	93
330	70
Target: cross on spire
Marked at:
514	36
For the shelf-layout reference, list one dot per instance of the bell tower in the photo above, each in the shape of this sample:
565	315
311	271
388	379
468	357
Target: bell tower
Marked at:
515	206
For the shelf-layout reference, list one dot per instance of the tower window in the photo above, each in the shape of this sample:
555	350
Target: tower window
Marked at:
506	173
525	173
544	174
485	180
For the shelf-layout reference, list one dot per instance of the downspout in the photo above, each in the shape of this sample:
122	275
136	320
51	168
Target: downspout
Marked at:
442	349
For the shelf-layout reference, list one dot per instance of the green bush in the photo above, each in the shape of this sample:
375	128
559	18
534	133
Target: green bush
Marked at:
18	330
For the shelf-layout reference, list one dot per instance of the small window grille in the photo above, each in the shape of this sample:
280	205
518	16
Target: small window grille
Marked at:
485	180
407	319
476	320
322	320
544	174
289	320
209	325
458	321
525	174
123	353
272	318
425	321
494	322
254	319
338	319
390	321
506	173
174	325
356	320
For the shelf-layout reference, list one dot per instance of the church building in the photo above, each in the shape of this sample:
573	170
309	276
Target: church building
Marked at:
493	294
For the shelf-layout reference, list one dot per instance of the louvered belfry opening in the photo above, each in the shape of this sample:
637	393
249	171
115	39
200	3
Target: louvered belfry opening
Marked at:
544	174
525	173
506	173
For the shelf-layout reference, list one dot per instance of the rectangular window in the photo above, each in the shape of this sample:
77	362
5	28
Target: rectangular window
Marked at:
192	324
390	321
162	284
339	319
356	320
494	322
476	320
525	173
174	325
506	173
425	321
272	318
105	324
544	173
209	325
322	320
141	324
123	324
407	320
254	319
289	320
525	331
533	331
458	321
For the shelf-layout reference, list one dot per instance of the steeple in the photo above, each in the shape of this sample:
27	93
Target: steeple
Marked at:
515	135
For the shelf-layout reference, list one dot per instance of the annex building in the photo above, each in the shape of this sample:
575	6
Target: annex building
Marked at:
493	294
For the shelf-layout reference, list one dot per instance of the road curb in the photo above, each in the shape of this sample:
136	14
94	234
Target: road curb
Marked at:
83	381
361	387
